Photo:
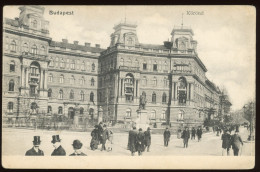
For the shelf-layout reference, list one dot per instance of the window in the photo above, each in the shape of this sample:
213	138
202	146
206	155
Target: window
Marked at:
51	62
72	80
128	112
12	66
34	24
82	96
163	115
68	63
10	107
50	77
165	82
153	114
92	82
60	110
43	50
49	109
13	46
81	111
83	66
100	96
62	64
82	80
144	80
71	94
93	67
49	92
130	41
34	49
57	62
61	94
144	66
11	85
121	62
181	115
91	97
164	98
153	97
25	47
154	81
61	79
154	67
72	64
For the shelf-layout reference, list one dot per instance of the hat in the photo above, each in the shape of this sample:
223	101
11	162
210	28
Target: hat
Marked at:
134	127
36	140
148	128
104	125
77	144
140	129
55	138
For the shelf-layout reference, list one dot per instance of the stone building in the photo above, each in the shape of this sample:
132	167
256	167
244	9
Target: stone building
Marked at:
41	76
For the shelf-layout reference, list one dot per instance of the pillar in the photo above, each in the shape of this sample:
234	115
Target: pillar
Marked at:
191	91
188	91
41	81
22	77
45	79
27	78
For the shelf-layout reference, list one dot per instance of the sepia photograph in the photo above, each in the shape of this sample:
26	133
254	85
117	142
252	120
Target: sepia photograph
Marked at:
128	87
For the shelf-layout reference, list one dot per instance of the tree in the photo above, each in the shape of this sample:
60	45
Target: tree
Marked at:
249	114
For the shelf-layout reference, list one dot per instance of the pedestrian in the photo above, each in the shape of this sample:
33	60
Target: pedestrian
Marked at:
58	151
100	132
95	138
199	133
193	133
217	131
140	142
132	140
166	137
104	137
147	138
35	150
226	142
77	149
236	141
110	140
186	137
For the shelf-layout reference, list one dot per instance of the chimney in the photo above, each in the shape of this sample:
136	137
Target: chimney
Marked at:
97	45
87	44
76	42
64	40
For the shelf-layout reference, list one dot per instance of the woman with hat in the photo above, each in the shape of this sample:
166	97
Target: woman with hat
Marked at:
58	151
35	151
140	142
147	139
95	138
77	146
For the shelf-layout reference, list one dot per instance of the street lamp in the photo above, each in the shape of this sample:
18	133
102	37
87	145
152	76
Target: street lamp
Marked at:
247	108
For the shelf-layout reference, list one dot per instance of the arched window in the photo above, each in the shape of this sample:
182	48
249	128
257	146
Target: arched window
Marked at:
42	50
49	92
100	96
57	62
154	81
49	109
50	77
60	110
62	64
155	67
81	111
12	66
34	24
144	80
51	62
61	79
25	48
93	67
144	66
10	107
72	64
163	115
130	41
83	66
164	98
11	85
181	115
92	82
61	94
82	96
136	63
72	80
121	62
13	46
128	113
182	90
82	80
34	49
71	94
153	97
165	82
34	107
91	98
153	114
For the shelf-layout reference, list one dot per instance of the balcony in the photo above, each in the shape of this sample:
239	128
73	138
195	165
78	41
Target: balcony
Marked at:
34	95
33	82
34	75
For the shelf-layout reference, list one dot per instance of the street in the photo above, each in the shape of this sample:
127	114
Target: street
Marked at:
18	141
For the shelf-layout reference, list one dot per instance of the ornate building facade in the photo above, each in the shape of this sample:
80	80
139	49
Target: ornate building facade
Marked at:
44	76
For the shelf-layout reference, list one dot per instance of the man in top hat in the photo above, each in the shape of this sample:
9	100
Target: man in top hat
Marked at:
235	142
140	142
58	151
132	140
166	137
199	133
147	139
35	151
77	146
104	137
186	137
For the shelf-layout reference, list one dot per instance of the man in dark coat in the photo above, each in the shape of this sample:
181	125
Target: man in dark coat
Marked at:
199	133
58	151
140	142
132	140
100	131
166	137
236	141
77	146
193	133
186	137
35	151
147	139
226	142
104	137
95	138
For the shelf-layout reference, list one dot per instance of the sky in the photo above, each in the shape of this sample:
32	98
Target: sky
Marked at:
225	35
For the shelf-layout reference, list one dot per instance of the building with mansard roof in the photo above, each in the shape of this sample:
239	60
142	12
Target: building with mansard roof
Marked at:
41	76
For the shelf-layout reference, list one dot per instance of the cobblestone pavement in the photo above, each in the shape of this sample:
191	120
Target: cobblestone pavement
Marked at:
18	141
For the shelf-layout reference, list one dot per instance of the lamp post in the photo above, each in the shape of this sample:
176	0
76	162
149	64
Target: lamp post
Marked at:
249	109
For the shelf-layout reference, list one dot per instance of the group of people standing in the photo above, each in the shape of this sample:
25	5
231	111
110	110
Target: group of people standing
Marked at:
186	135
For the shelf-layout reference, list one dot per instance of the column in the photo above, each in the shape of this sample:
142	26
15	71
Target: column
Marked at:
123	87
27	78
137	88
23	77
188	91
191	91
41	80
45	79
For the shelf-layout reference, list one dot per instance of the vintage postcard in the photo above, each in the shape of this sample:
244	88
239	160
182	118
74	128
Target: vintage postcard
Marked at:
128	87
